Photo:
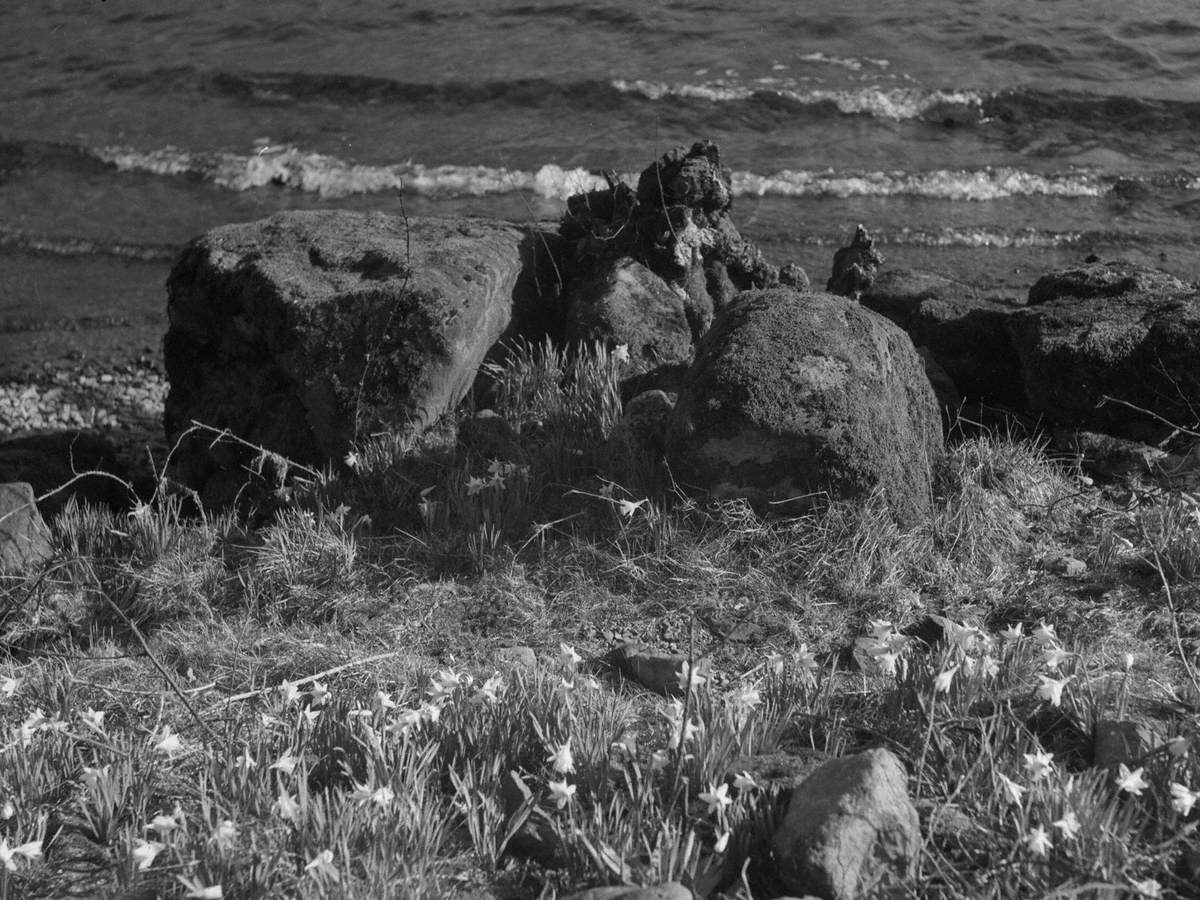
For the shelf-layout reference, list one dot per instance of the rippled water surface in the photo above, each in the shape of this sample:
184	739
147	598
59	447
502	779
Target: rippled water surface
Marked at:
991	140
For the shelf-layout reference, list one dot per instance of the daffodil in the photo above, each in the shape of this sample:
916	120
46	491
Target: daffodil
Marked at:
144	853
1068	824
805	661
620	353
1012	633
93	720
1044	634
163	824
1053	657
476	486
1182	798
561	792
1051	689
1147	888
565	689
717	798
9	686
286	763
1012	790
659	760
30	851
1131	782
7	811
246	762
1039	765
628	508
745	700
1038	841
198	890
286	807
688	677
225	835
322	865
168	744
722	842
318	694
383	701
288	693
743	781
567	657
879	628
561	760
492	689
941	684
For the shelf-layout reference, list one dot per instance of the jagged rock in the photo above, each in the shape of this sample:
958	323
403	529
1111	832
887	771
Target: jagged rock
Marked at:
855	265
796	397
849	826
24	538
51	459
304	330
677	224
1109	457
628	304
965	334
1116	331
791	275
670	890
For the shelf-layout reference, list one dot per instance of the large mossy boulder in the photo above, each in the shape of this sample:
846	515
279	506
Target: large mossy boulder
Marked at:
966	334
797	397
1112	348
305	331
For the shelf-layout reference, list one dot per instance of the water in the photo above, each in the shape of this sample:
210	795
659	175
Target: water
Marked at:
989	140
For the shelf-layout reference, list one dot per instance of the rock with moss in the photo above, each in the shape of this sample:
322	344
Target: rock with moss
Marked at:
1111	348
855	265
796	398
307	330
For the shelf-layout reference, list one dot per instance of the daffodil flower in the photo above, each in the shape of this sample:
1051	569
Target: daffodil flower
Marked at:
246	762
225	835
1051	689
620	353
286	807
567	657
562	761
491	690
805	661
8	855
1039	765
322	865
93	720
145	852
1038	841
659	760
1012	633
561	792
1148	888
163	824
717	798
318	694
1068	824
288	693
198	890
722	842
1182	798
941	684
286	763
9	686
688	677
1054	657
1131	782
168	744
1012	790
383	701
744	782
7	811
1044	634
475	485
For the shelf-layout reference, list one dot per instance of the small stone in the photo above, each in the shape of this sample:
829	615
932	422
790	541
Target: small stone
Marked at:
657	671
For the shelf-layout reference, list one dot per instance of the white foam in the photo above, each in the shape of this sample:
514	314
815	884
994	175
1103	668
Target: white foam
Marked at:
981	184
981	237
897	104
331	177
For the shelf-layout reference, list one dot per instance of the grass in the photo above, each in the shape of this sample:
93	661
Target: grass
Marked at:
316	699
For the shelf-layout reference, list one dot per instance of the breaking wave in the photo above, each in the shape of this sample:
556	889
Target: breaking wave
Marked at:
328	176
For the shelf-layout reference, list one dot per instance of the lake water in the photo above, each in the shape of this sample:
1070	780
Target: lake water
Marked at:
989	139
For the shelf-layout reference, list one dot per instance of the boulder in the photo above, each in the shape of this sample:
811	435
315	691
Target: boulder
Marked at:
634	451
659	672
795	397
965	334
848	827
1111	331
1103	279
1106	456
626	303
855	265
50	460
24	537
306	330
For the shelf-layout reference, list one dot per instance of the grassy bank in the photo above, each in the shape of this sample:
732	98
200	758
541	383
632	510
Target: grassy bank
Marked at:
330	702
